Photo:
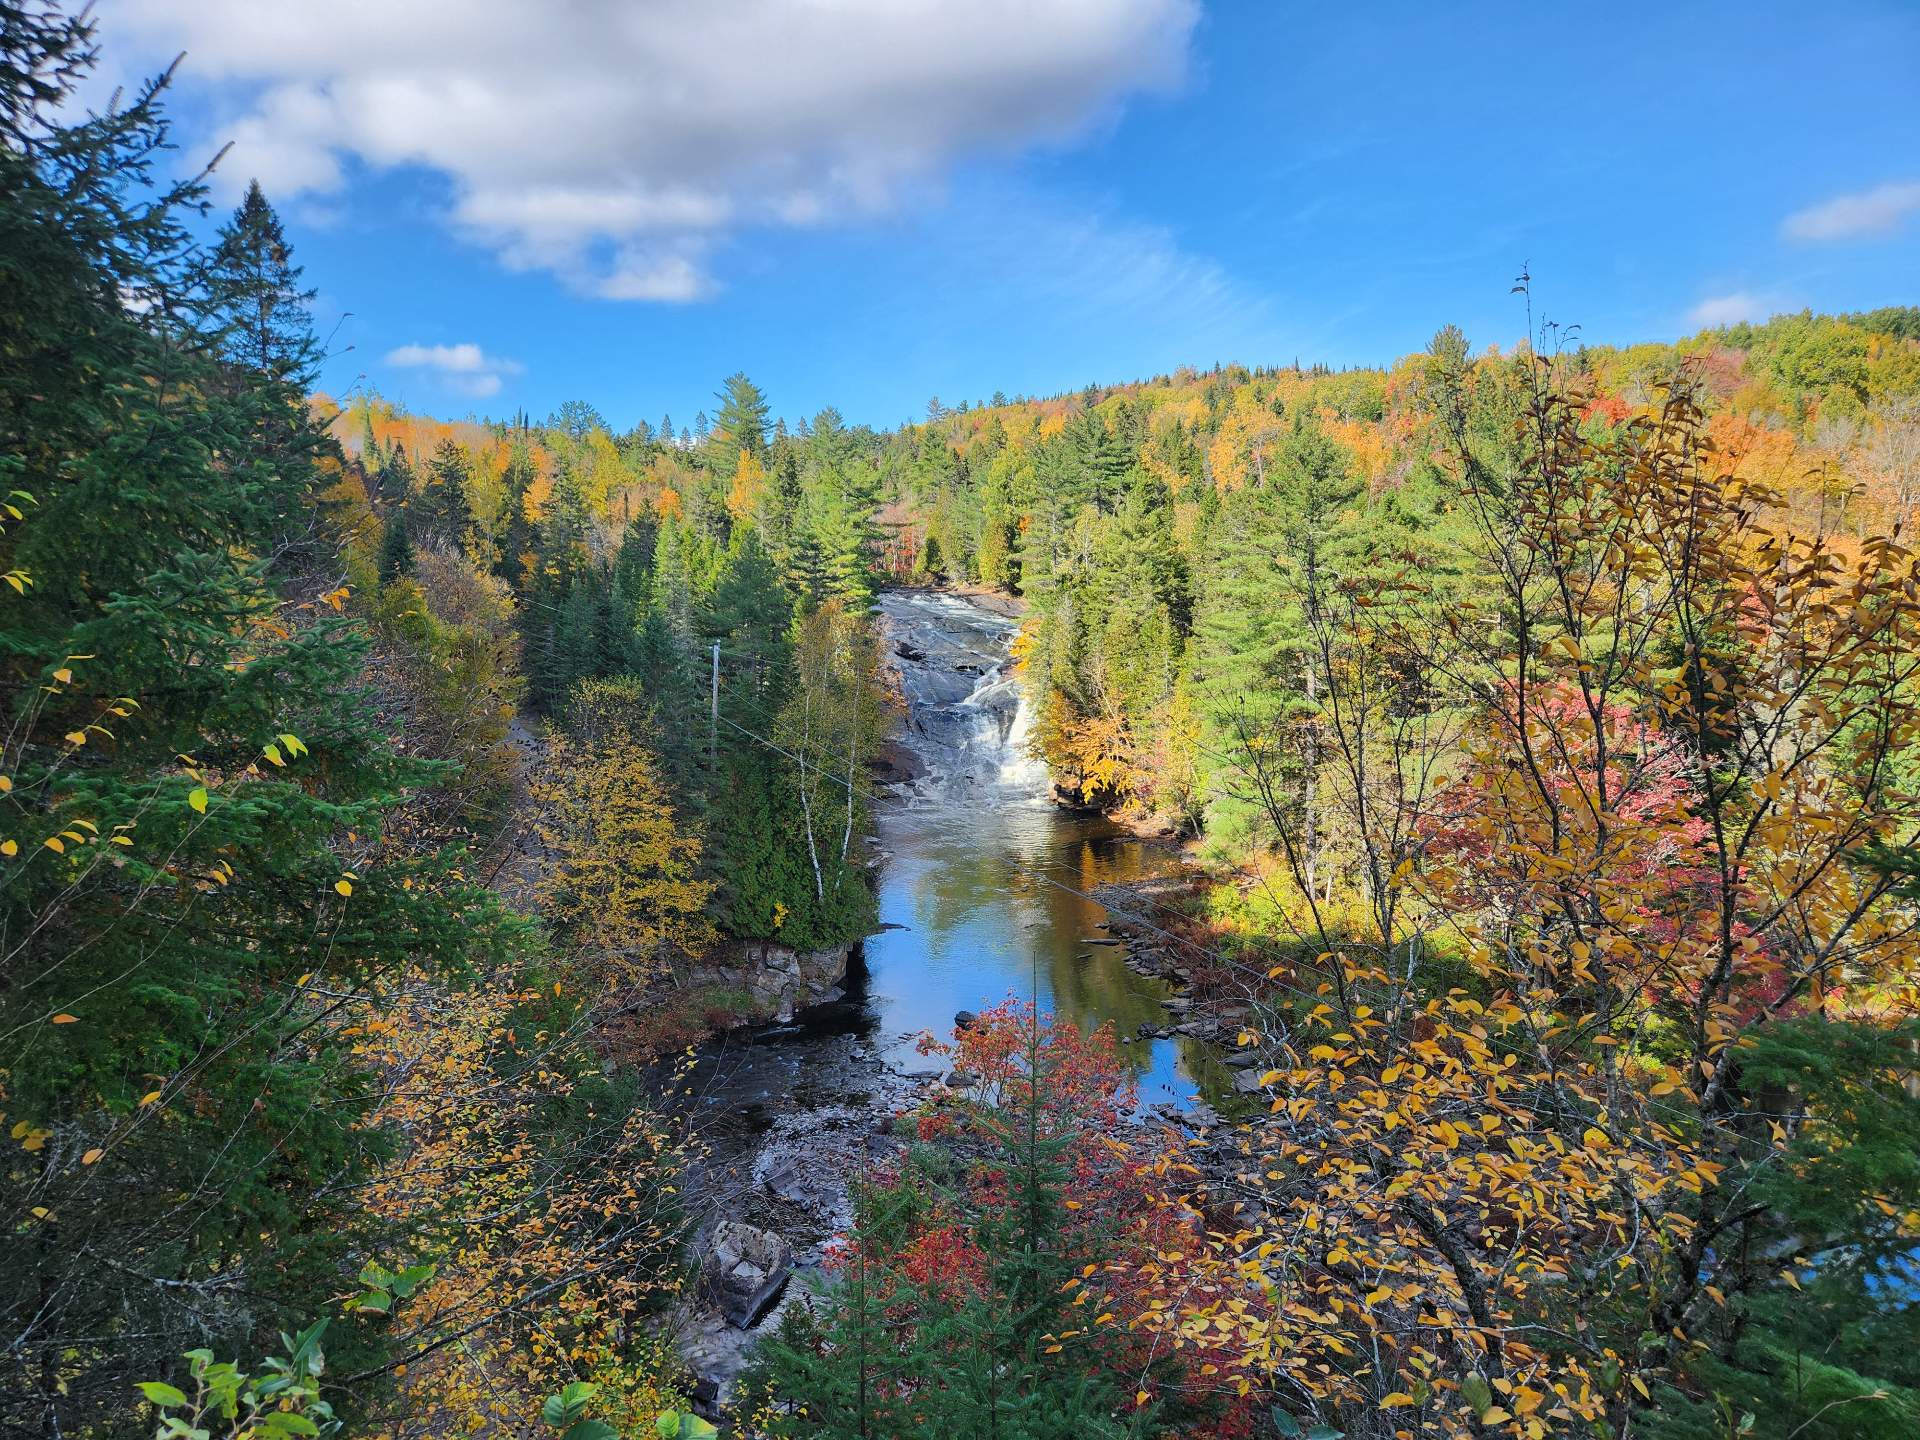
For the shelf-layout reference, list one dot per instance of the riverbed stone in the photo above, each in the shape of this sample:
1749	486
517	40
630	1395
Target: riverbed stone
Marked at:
744	1271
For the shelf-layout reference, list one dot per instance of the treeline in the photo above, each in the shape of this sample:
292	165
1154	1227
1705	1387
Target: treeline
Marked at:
1169	533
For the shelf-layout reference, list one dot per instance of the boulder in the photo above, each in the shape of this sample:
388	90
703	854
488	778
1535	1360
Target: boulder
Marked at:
744	1271
965	1020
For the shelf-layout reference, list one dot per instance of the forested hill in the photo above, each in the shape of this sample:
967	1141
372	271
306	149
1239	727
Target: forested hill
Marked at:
1153	528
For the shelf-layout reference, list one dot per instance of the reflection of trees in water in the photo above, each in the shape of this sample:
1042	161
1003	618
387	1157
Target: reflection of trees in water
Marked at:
996	893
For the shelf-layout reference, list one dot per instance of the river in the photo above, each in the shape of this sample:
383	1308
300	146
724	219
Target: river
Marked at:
985	890
985	883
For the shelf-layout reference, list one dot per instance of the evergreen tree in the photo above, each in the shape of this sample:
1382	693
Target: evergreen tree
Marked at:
441	510
177	925
258	318
1278	553
396	551
740	424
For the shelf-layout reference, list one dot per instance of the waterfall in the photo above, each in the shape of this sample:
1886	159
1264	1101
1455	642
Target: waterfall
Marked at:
968	723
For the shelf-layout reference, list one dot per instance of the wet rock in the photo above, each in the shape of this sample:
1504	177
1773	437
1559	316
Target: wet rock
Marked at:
1243	1059
1247	1082
744	1271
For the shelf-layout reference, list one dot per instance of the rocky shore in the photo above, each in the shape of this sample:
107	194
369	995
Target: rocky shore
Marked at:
789	1130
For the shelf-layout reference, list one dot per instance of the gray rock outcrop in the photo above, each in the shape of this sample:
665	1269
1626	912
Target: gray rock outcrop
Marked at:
744	1271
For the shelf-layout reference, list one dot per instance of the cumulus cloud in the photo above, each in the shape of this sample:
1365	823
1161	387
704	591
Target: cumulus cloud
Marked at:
615	144
1718	310
1879	211
465	368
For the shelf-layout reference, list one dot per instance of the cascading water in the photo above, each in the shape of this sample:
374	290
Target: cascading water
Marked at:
968	727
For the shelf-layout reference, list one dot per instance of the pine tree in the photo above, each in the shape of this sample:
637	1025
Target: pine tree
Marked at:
1278	553
740	424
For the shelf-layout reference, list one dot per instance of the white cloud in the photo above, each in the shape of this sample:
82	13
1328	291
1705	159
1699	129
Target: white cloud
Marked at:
465	368
1878	211
613	144
1718	310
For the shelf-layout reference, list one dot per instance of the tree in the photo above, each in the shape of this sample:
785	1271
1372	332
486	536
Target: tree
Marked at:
258	319
197	870
623	890
396	551
740	424
1275	562
969	1299
1598	1152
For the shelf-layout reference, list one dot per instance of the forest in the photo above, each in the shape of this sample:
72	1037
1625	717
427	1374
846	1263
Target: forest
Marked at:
389	802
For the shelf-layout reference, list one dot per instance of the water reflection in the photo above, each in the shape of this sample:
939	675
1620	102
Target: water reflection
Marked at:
988	881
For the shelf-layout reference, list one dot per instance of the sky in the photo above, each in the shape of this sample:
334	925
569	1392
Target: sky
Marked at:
869	203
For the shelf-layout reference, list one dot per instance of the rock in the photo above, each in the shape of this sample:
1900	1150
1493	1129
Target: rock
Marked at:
1179	1005
1247	1082
744	1271
1243	1059
962	1080
965	1020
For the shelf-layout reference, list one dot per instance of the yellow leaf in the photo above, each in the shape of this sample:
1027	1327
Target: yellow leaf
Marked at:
9	847
1140	1397
345	887
6	784
198	799
76	737
272	752
63	675
150	1097
1641	1386
1395	1400
65	1019
92	1155
52	842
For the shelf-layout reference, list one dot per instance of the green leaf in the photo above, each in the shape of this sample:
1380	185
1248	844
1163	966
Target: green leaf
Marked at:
554	1412
197	798
592	1430
161	1393
1477	1393
1285	1423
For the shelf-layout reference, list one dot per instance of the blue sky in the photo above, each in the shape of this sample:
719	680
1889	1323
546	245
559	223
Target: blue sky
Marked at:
869	202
